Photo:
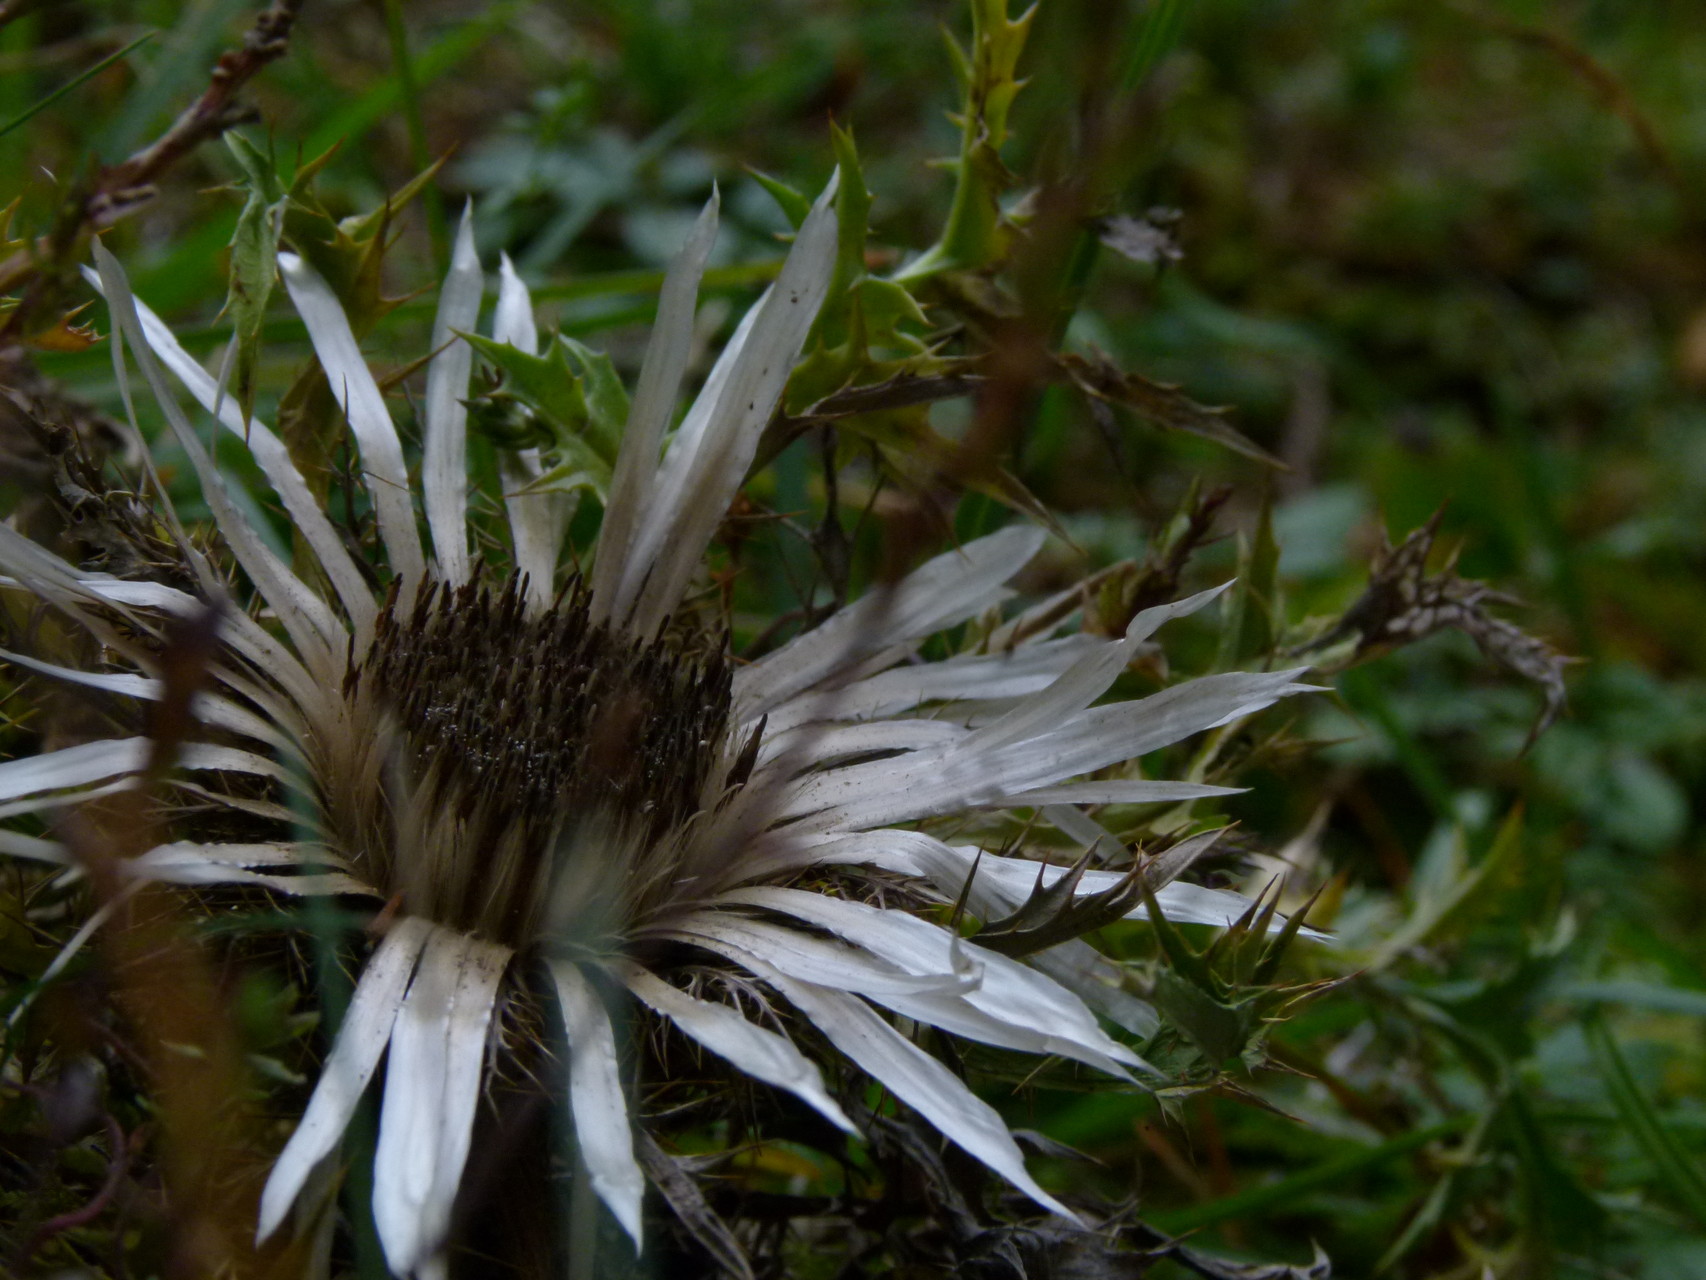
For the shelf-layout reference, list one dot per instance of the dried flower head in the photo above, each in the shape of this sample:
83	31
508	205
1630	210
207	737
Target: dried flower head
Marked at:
546	773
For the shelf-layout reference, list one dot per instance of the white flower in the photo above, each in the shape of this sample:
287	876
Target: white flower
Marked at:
543	777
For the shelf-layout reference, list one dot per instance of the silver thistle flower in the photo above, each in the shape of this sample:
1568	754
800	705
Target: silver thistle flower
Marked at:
548	774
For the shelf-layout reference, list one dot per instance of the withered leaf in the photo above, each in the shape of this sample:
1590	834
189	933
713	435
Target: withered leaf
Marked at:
1157	403
1148	239
1404	603
688	1203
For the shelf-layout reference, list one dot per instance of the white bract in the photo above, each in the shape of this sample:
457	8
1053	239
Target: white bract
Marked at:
544	779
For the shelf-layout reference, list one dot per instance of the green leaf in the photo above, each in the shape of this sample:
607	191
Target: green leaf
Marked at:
795	204
1676	1170
1460	901
606	397
254	261
1218	1030
971	238
569	402
547	384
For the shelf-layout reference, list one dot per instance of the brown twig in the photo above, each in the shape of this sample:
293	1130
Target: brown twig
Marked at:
1616	95
118	190
14	9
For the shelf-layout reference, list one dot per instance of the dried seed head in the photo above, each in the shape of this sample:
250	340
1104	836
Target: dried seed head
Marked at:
526	757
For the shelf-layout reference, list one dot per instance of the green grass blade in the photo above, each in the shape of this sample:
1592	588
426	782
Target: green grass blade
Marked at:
86	74
440	57
1676	1170
1277	1194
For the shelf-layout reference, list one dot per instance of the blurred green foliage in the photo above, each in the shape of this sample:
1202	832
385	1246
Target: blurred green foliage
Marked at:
1430	255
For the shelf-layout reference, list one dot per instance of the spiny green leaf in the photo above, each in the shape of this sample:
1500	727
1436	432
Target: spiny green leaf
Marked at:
254	261
546	383
795	205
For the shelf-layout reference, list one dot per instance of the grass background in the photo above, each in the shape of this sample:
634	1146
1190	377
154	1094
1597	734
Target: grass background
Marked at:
1432	254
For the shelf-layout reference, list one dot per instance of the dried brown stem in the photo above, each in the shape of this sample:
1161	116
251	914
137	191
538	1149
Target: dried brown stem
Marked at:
118	190
13	9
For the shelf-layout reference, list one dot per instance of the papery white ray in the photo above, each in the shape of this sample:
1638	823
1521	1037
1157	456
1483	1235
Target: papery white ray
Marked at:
34	848
958	1016
1012	880
210	709
941	592
634	479
432	1086
96	761
270	853
241	632
1113	791
923	784
760	1053
1096	980
536	520
718	464
917	1079
444	466
811	959
188	863
992	677
312	627
1086	680
353	387
360	1042
1008	992
814	744
603	1138
274	460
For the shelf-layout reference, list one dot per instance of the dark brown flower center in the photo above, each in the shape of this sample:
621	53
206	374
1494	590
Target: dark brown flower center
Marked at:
527	745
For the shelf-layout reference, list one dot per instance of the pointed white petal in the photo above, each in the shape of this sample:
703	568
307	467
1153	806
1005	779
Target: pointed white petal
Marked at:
1087	680
814	959
743	408
632	483
1123	731
811	745
316	633
185	862
927	783
536	520
761	1054
1114	791
512	321
209	709
1012	879
370	422
940	593
361	1040
432	1087
34	848
665	494
917	1079
1009	992
602	1132
444	469
236	629
274	460
96	761
1096	980
984	677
